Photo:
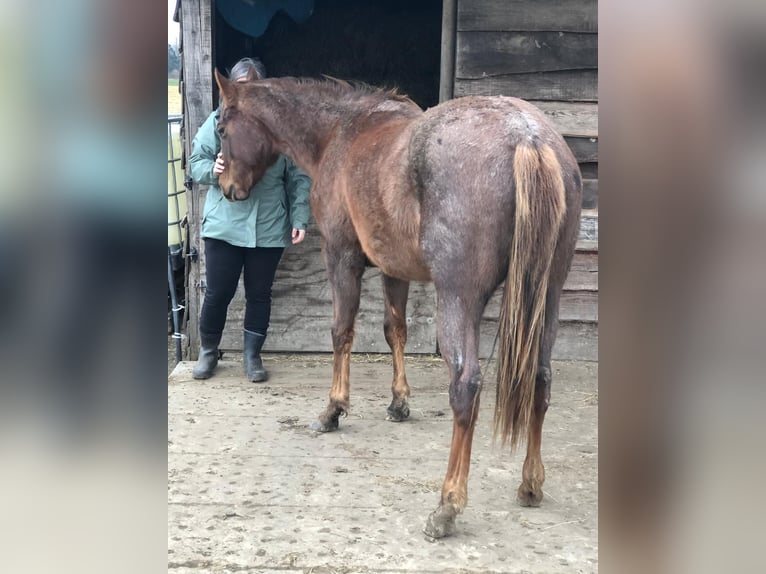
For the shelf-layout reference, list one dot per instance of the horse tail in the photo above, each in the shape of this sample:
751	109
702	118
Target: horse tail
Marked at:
540	208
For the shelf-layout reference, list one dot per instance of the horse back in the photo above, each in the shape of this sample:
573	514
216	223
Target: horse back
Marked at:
380	196
477	135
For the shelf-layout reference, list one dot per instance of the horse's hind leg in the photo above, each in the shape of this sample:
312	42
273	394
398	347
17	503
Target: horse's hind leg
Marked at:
345	266
458	342
530	491
395	327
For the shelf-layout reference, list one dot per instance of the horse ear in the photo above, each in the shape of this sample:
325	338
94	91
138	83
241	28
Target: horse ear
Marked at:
225	87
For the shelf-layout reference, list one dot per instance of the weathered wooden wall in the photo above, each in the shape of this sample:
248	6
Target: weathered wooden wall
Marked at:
302	309
540	50
544	51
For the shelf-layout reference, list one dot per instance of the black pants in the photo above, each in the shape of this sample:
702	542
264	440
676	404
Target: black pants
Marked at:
224	266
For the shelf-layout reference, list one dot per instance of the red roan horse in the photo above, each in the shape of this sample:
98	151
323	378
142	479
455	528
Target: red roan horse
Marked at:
467	194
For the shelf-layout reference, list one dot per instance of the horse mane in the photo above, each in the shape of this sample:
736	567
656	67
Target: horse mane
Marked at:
351	89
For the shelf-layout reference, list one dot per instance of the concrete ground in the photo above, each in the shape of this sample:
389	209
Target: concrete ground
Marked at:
252	489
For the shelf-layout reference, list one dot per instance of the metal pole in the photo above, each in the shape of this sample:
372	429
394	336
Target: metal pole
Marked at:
176	308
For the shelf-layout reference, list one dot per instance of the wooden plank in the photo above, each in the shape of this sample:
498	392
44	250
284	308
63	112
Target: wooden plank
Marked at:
584	149
481	54
578	306
555	15
589	170
447	65
584	246
583	275
572	119
302	309
574	342
588	228
197	102
197	65
568	85
590	193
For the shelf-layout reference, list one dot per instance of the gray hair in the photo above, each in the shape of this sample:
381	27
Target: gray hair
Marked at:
246	67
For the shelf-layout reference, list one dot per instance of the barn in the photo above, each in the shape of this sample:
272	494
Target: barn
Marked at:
544	51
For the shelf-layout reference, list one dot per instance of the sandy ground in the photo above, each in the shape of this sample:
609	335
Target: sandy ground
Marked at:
252	489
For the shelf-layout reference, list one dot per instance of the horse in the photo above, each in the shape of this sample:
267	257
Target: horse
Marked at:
467	194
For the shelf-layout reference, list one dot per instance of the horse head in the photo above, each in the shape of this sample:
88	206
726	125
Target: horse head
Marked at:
247	144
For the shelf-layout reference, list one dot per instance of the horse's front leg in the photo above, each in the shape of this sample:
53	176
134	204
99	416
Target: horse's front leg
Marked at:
395	327
345	266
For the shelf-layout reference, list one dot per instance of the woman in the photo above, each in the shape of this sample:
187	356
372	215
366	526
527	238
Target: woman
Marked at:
249	235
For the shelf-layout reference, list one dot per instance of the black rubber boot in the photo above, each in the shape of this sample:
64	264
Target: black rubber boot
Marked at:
253	364
208	356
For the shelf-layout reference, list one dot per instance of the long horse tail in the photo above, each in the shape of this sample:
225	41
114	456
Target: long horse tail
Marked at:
540	209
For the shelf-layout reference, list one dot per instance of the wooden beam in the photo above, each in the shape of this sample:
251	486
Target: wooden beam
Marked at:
302	304
583	275
590	193
572	119
589	170
584	149
482	54
575	341
567	85
197	102
578	306
588	226
447	67
528	15
196	31
586	247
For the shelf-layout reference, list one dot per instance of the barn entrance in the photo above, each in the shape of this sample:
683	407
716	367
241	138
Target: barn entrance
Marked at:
390	43
431	50
387	43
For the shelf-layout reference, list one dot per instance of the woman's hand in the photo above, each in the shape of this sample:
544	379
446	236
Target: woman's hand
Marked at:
219	165
298	235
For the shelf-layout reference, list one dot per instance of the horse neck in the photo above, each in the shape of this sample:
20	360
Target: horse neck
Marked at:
302	122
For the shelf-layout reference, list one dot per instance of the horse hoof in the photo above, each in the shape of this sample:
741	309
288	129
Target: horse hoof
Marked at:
319	426
527	497
439	524
398	413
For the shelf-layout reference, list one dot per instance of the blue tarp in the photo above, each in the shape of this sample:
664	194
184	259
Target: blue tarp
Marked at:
252	17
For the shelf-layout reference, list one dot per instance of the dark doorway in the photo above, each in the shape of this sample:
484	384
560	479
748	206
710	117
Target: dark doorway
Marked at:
388	43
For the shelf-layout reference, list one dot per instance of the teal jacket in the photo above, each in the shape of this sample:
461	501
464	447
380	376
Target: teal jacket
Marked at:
278	203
